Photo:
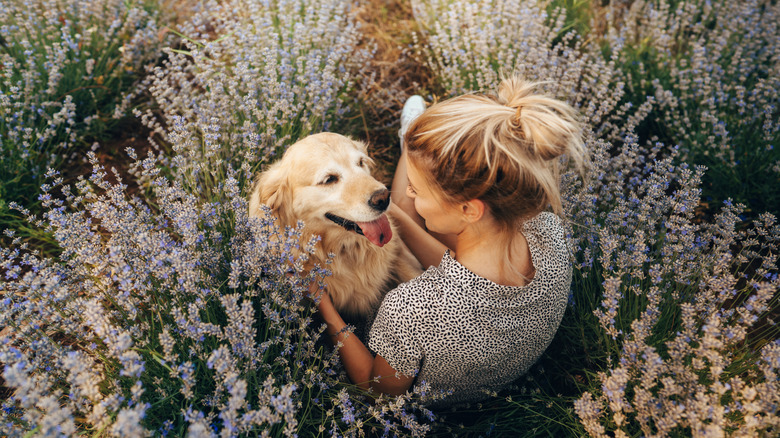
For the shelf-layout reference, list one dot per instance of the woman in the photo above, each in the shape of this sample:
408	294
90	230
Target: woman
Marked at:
471	193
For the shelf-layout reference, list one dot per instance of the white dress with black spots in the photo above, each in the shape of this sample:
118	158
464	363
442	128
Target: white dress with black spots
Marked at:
463	333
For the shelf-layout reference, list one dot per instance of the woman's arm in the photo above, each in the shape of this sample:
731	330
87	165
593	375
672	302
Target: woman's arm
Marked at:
428	249
362	367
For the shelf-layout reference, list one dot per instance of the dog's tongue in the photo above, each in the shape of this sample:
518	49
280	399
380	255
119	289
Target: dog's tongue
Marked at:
378	231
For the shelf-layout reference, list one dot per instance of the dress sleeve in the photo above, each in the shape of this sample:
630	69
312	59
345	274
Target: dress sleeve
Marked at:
394	334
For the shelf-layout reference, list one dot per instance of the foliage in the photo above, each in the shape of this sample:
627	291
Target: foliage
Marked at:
470	46
172	312
252	78
175	312
713	70
679	338
186	316
67	68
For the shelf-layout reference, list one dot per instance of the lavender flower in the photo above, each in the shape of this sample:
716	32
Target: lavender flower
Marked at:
254	77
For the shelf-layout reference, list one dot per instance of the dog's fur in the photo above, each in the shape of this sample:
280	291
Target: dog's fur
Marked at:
325	178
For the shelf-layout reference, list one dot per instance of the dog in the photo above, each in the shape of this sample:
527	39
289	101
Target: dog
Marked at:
325	181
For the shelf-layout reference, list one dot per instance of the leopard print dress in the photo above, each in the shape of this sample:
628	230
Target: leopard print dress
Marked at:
467	336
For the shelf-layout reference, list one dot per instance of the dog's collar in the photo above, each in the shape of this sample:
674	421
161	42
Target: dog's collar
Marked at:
346	223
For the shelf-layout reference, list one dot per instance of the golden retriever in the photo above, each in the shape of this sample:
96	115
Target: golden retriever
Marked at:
325	181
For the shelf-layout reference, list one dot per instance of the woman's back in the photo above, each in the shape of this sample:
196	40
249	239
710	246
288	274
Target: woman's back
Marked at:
461	332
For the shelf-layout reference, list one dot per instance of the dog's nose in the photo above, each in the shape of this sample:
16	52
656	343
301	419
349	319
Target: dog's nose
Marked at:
380	199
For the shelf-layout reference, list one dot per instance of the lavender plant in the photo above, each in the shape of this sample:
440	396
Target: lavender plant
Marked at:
688	308
671	317
176	313
252	77
470	45
66	71
714	71
171	315
684	319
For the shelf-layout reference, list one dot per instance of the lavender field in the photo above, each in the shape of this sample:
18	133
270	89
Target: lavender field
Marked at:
137	298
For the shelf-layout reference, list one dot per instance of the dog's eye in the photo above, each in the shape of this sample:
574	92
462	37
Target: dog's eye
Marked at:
330	179
361	163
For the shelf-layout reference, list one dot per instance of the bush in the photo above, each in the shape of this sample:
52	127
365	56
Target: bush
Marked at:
172	312
188	316
175	312
251	79
713	71
469	46
670	328
67	68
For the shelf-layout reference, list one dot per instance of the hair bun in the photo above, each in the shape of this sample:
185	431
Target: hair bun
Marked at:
517	117
511	91
546	125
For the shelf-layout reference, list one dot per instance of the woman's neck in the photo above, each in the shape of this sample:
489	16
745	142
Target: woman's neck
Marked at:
482	250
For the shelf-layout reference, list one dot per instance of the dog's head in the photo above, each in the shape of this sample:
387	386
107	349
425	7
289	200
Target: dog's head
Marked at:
325	180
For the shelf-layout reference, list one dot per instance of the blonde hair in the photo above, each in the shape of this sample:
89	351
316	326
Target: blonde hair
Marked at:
501	149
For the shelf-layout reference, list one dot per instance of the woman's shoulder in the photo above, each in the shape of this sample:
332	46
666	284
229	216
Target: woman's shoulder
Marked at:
546	231
413	289
545	222
549	249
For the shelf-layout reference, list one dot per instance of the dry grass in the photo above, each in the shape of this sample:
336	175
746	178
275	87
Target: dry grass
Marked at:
388	27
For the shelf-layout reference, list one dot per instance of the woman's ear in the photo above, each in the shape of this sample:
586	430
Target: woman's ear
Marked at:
473	210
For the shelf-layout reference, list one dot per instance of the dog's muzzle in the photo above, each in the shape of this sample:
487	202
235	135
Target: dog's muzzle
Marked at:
346	223
377	231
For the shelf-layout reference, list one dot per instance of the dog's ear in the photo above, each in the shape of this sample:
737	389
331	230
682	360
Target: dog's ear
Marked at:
272	188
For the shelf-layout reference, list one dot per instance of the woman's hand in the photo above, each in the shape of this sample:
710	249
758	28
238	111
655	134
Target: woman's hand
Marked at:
362	367
319	294
426	247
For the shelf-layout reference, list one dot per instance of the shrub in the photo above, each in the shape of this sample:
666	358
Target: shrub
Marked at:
170	315
66	70
251	79
669	329
684	323
175	313
469	46
713	70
